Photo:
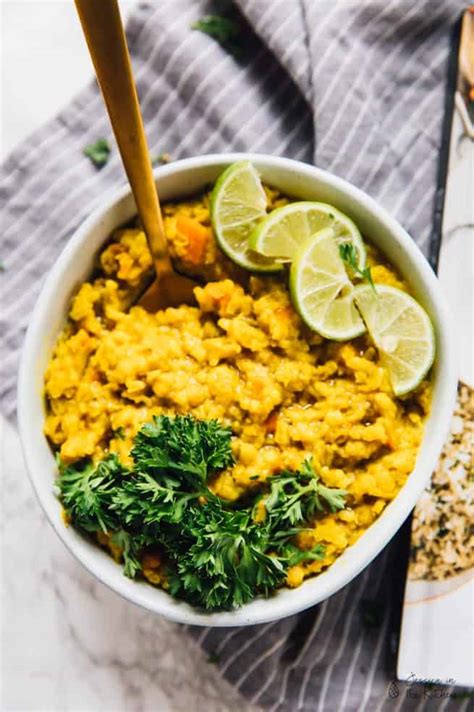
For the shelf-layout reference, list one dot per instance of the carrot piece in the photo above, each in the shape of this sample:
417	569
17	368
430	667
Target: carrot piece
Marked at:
197	236
271	422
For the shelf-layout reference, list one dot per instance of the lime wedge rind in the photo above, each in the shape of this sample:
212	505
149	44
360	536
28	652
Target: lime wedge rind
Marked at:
238	203
281	234
407	373
328	307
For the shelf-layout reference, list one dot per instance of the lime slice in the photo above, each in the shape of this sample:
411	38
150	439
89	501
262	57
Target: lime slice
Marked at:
321	290
238	203
402	332
284	230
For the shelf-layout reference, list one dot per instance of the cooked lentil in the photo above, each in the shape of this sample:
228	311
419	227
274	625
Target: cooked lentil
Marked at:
241	355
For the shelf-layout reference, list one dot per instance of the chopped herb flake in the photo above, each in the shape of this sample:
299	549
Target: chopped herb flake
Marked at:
98	152
224	30
161	158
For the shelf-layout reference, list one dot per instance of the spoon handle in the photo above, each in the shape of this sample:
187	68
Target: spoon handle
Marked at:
103	30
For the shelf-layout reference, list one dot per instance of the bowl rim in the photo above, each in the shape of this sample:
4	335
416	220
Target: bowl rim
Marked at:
335	577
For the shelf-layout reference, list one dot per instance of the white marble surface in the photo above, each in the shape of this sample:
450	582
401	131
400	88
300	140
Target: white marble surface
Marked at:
68	643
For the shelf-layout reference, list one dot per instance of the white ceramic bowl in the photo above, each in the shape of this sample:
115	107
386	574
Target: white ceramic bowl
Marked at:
74	266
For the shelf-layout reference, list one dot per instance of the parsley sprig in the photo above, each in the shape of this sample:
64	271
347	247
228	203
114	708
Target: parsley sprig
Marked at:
348	254
219	555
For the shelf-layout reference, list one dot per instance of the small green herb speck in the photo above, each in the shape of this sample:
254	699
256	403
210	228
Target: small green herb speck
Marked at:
2	266
119	433
348	254
160	159
98	152
222	29
213	658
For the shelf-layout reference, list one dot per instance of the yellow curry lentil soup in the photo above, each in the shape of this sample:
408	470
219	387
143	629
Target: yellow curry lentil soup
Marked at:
243	356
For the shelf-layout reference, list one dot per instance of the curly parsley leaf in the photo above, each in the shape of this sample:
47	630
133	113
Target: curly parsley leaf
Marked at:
189	449
296	496
219	555
98	152
348	255
87	491
144	501
221	563
130	552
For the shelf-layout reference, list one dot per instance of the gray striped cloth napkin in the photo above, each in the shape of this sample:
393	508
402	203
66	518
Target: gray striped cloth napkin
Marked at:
354	86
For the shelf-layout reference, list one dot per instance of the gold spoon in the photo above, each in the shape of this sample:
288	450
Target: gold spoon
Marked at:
103	30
